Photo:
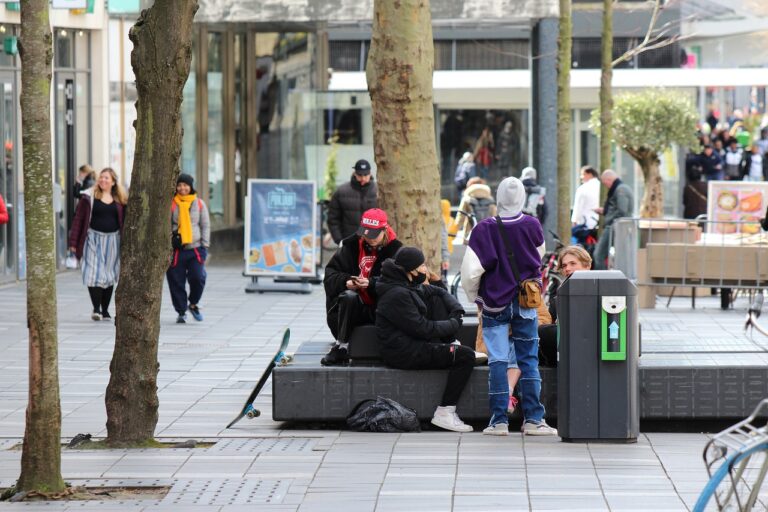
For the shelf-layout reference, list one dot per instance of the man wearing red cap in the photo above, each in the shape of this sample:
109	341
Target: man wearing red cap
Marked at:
350	280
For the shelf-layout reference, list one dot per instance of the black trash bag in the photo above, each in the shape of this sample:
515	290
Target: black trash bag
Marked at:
383	415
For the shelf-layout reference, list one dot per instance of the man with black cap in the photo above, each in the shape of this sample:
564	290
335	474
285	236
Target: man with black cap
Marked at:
351	277
191	235
350	201
413	337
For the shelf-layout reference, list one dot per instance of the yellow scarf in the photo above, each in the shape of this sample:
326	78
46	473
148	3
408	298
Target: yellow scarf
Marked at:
185	221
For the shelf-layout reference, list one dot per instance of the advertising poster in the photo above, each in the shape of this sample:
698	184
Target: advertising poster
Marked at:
736	206
281	228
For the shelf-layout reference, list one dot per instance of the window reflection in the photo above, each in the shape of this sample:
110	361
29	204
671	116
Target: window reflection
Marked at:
214	79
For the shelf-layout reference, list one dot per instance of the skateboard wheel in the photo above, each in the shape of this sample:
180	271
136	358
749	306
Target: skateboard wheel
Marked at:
253	413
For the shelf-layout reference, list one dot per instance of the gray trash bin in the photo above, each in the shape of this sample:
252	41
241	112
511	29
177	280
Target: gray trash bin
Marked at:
598	393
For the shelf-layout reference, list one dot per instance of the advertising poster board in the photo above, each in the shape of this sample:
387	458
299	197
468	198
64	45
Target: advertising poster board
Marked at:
742	202
280	228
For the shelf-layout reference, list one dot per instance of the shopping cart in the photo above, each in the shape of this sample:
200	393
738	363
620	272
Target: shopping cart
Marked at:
737	462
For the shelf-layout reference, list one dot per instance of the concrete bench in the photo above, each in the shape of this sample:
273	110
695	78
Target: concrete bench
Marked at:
307	391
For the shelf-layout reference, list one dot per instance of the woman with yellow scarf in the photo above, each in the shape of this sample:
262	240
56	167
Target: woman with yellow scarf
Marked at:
191	238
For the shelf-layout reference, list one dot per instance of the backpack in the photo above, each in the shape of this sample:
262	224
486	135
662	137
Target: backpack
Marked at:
481	207
464	171
534	197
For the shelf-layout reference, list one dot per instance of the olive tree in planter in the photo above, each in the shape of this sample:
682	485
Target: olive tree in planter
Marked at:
645	124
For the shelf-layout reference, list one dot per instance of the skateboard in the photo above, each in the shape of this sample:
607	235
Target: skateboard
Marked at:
281	358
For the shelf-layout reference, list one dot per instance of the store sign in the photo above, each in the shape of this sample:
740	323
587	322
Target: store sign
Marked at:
736	207
281	228
69	4
123	6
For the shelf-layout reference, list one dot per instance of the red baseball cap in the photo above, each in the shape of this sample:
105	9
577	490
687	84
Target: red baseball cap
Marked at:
373	222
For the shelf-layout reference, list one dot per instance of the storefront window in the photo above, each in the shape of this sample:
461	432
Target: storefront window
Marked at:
215	81
189	119
239	47
498	138
64	48
83	122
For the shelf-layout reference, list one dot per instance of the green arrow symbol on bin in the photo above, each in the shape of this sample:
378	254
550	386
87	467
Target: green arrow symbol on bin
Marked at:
613	330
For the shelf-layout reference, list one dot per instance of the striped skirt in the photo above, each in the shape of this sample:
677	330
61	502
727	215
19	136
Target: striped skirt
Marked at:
101	259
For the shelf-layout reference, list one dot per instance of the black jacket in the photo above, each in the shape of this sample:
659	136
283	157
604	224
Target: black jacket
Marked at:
347	206
402	319
345	263
746	165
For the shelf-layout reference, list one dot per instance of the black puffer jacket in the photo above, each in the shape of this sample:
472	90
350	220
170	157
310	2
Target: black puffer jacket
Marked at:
345	264
347	206
401	315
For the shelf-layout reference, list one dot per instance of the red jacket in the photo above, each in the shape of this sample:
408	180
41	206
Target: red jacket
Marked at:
3	212
82	220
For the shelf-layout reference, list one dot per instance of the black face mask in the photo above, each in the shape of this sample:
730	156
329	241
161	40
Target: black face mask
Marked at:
418	278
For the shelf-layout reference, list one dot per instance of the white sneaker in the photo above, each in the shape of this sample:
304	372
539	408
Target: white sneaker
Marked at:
531	428
446	417
96	316
499	429
480	358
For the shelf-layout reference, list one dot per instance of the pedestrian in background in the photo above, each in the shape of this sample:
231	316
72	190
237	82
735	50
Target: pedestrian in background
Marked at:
95	239
619	203
3	212
191	238
584	218
350	201
84	180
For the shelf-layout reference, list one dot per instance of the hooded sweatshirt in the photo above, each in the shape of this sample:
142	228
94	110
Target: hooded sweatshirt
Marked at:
486	273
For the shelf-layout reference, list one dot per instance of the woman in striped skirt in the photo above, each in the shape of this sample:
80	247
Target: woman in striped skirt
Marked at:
95	239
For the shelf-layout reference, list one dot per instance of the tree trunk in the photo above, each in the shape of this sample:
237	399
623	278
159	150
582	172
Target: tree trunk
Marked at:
399	74
162	49
41	452
564	121
652	206
606	94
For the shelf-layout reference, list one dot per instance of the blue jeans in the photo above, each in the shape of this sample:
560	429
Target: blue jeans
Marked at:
520	349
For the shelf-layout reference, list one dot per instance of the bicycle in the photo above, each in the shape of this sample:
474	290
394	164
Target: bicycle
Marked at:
739	453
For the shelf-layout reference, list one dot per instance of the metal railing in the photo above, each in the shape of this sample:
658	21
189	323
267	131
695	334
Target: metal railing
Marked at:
691	253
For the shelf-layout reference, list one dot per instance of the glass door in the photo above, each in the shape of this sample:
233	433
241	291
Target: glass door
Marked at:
8	187
63	199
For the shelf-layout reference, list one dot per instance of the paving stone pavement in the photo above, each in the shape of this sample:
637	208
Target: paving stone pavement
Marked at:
207	369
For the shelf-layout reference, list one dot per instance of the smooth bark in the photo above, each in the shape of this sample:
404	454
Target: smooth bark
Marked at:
399	74
162	50
564	120
652	206
41	452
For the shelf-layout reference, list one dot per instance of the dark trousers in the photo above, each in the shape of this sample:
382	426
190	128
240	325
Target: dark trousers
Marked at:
187	266
348	312
548	345
458	359
100	298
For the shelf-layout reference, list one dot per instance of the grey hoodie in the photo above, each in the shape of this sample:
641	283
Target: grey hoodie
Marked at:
510	197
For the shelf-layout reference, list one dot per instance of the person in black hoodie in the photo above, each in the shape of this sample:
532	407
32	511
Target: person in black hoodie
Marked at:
350	280
350	201
411	335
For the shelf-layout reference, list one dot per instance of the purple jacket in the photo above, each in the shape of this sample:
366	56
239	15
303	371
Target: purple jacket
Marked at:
486	273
